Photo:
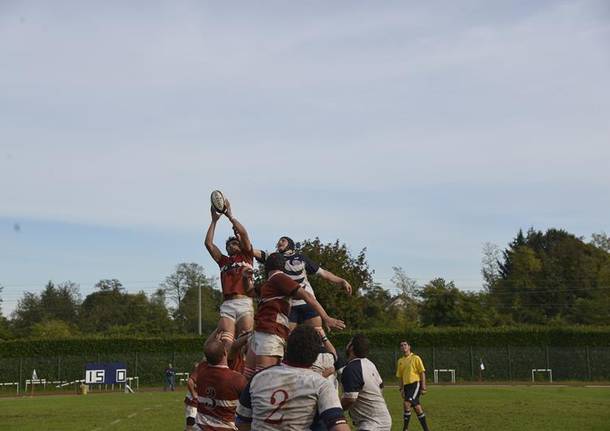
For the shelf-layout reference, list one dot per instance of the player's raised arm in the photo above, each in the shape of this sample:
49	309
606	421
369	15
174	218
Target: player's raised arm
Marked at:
209	237
239	229
330	322
259	254
329	276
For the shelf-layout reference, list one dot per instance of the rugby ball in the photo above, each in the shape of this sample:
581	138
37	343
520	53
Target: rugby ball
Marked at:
218	201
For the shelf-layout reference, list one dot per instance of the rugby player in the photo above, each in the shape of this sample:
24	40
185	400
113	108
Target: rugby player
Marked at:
297	267
411	376
271	328
362	389
218	389
291	396
190	401
236	269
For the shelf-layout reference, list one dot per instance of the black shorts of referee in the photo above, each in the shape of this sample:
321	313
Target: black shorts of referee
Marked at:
411	393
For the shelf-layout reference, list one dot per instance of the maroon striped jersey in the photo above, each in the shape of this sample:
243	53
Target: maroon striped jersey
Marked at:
274	305
218	389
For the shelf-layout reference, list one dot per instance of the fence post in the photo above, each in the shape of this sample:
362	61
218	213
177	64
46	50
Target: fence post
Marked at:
546	354
471	365
59	368
21	372
589	374
510	371
136	366
433	358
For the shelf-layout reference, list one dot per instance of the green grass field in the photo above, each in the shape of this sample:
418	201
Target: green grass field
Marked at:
455	408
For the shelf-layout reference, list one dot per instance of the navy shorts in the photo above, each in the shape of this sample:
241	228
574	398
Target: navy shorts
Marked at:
301	313
412	392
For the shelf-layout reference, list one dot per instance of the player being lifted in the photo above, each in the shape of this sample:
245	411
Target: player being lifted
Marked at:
236	310
271	320
298	267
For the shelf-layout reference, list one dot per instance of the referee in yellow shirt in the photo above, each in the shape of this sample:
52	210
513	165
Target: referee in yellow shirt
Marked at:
411	376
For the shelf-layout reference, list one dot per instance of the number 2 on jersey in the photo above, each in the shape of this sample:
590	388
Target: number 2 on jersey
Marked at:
278	397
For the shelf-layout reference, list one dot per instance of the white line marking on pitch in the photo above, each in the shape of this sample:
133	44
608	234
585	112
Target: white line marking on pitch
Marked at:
132	415
147	409
115	422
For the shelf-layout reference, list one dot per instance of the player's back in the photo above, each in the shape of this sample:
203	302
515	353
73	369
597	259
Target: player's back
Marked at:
288	398
218	389
362	381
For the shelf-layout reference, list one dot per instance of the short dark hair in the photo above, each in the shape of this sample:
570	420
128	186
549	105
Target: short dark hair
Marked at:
290	241
229	239
275	262
360	345
304	345
214	351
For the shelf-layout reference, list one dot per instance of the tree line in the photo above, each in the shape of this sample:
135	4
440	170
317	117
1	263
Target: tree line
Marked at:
550	277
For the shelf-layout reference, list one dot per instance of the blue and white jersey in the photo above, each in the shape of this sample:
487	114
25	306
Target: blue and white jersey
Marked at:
297	267
289	398
361	381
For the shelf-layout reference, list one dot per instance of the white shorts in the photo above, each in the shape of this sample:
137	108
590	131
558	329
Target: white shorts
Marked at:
190	411
237	308
264	344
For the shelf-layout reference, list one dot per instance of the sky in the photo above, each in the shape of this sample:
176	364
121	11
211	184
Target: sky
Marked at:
419	130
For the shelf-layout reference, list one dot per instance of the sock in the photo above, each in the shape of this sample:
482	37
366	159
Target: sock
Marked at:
249	372
422	421
407	418
227	337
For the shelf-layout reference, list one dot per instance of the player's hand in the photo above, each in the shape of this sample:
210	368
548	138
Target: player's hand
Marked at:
346	286
228	211
215	215
424	389
332	323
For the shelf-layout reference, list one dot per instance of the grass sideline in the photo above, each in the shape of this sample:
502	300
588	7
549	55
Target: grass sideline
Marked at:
523	408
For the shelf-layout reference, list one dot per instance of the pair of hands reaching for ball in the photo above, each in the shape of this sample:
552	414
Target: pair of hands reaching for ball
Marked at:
227	212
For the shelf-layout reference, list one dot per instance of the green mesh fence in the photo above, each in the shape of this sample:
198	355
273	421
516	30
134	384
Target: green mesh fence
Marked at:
510	363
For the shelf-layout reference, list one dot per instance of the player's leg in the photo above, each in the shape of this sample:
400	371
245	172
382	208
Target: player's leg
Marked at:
268	348
226	324
421	416
412	394
311	318
266	361
408	393
406	415
245	317
226	327
250	367
190	414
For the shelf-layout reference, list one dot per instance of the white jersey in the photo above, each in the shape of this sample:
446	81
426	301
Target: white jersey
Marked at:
362	382
323	361
289	398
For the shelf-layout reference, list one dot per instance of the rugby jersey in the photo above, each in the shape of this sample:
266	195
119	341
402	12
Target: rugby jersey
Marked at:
297	267
218	390
274	305
326	360
289	398
233	278
361	381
